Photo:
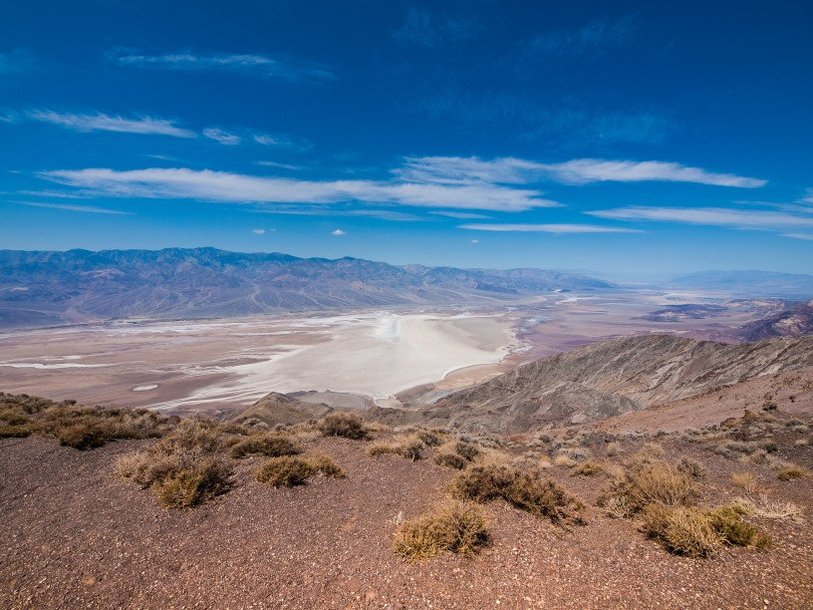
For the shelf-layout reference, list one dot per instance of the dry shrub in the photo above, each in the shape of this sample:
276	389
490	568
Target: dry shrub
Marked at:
611	449
792	471
410	447
285	471
184	469
346	425
467	451
455	527
270	444
522	489
728	522
456	454
746	481
681	529
765	507
563	460
430	438
324	465
290	471
692	468
450	459
590	468
658	482
696	532
16	430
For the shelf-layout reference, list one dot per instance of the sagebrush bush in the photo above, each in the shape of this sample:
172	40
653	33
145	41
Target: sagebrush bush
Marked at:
346	425
695	532
791	471
657	482
450	459
290	471
410	447
588	468
269	444
185	468
455	527
75	425
683	530
522	489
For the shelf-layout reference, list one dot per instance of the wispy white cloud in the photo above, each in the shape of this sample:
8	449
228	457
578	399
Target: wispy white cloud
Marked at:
279	165
546	228
89	209
223	137
460	215
266	66
258	231
724	217
184	183
106	122
338	233
510	170
802	236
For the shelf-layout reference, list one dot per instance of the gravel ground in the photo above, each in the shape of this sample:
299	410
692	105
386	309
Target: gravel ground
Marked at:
72	535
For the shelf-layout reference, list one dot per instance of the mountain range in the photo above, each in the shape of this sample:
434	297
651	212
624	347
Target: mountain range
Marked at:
41	288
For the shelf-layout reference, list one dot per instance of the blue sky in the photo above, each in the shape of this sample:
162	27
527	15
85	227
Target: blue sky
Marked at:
624	137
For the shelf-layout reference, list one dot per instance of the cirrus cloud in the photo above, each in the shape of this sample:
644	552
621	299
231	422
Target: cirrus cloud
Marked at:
208	185
106	122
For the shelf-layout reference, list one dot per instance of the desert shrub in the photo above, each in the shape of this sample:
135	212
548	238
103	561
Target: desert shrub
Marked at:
692	468
290	471
765	507
285	471
681	529
563	460
346	425
791	471
269	444
377	449
611	449
430	438
728	522
455	527
658	482
192	485
410	447
327	467
589	468
450	459
184	469
467	451
746	481
16	430
523	490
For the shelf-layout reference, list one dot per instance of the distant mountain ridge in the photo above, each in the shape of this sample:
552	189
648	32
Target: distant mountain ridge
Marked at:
749	283
40	288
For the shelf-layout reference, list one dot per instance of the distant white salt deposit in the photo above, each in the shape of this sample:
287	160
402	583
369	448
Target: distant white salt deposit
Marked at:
145	388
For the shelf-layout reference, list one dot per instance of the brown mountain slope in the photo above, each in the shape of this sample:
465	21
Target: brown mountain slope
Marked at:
613	377
276	408
794	322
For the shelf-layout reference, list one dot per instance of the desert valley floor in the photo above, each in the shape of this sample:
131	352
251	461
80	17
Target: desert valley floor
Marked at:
386	356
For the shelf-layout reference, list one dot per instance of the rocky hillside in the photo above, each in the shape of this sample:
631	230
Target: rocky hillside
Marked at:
794	322
613	377
45	288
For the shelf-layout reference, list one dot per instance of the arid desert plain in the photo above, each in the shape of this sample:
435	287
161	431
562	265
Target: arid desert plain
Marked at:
348	359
